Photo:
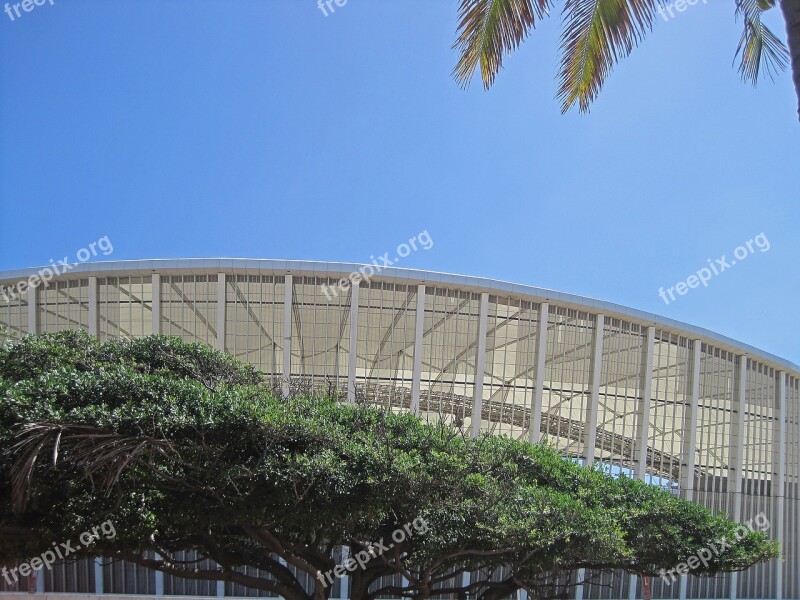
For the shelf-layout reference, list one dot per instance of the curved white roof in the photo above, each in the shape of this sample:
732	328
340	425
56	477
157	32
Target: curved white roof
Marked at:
340	269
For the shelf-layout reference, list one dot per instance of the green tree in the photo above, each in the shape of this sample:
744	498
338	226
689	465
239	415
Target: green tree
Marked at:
177	447
6	336
597	33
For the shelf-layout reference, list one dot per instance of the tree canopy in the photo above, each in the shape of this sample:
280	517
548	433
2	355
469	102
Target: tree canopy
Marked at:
183	448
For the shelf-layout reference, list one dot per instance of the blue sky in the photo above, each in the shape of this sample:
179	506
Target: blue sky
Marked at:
264	129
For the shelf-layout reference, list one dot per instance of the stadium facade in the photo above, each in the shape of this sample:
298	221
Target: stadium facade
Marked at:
707	417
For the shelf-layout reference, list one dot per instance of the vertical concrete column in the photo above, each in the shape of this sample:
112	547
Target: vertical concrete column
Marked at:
418	333
689	448
690	423
156	303
643	414
352	359
632	588
643	423
33	310
94	307
288	289
579	587
222	307
535	433
737	454
344	594
480	366
779	486
159	582
590	425
99	576
596	370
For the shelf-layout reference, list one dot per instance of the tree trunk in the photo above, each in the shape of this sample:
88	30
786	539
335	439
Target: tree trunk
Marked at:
501	590
320	592
791	13
359	586
646	588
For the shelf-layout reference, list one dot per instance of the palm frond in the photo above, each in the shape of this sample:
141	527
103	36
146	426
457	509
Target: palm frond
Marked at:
597	33
759	49
488	30
97	453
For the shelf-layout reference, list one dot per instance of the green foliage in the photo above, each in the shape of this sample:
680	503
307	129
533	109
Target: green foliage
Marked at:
182	448
595	35
6	336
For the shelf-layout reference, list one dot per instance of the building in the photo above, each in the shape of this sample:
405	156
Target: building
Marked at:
707	417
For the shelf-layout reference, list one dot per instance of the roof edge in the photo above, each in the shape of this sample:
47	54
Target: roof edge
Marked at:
327	269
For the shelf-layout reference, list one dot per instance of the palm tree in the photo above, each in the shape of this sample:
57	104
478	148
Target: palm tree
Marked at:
597	33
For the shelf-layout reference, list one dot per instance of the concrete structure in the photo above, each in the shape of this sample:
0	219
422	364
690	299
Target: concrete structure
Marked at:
707	417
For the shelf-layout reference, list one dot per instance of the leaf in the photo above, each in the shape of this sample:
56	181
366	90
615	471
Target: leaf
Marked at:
597	33
759	49
488	30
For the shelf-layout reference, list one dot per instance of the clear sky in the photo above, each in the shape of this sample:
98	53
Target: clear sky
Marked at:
264	129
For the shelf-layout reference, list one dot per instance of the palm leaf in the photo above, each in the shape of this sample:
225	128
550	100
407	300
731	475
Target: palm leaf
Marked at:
488	30
95	452
760	49
597	33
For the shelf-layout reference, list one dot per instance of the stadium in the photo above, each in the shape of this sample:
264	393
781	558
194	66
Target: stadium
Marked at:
705	416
